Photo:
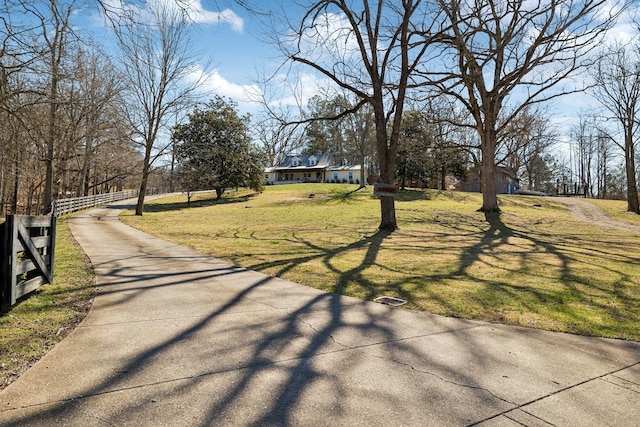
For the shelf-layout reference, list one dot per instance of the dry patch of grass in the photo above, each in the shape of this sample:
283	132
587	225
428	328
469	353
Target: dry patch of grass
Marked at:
38	322
617	209
534	265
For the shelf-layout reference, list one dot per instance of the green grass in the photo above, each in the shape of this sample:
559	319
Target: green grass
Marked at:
32	327
534	265
617	209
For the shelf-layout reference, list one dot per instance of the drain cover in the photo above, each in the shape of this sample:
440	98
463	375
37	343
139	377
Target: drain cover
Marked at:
390	301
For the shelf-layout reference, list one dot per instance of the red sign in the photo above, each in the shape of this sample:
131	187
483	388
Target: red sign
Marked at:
385	190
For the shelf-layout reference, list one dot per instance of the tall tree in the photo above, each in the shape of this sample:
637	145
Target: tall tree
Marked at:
55	30
617	77
427	151
603	158
584	137
276	137
36	41
214	150
325	134
360	140
349	139
100	87
498	58
416	140
157	53
369	49
526	142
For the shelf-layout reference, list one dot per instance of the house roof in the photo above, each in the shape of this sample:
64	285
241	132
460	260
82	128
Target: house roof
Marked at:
311	161
344	168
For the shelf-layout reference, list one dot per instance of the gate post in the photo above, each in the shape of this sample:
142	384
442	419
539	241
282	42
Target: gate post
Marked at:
7	257
4	261
52	245
10	231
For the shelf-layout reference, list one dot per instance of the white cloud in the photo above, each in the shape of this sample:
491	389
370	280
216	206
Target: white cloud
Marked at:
202	16
329	37
625	29
244	94
296	90
193	8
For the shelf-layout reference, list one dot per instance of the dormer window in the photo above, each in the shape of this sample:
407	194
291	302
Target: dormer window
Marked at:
313	161
295	162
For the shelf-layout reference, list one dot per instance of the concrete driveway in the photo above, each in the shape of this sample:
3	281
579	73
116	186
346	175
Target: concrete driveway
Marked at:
176	338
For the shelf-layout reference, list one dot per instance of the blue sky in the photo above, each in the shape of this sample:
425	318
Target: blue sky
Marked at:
229	39
240	55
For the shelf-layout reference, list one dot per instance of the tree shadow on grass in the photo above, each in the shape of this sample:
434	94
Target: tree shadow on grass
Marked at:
278	352
282	344
412	195
372	244
505	254
199	203
343	195
569	284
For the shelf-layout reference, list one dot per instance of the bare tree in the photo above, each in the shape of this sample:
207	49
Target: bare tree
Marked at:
36	38
370	49
58	109
525	144
360	136
158	57
584	135
617	89
277	138
55	30
100	88
505	56
604	156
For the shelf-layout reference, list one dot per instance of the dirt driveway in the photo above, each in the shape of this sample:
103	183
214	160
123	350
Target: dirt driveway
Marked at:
589	212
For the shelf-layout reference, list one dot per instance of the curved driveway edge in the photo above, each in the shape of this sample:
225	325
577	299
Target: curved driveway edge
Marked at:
178	338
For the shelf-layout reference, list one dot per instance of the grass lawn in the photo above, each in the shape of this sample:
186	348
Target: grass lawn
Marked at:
617	209
32	327
534	265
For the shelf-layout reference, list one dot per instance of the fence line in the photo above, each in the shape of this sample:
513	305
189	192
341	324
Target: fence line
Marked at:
65	206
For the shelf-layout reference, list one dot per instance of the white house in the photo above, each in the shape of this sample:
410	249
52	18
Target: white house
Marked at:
311	168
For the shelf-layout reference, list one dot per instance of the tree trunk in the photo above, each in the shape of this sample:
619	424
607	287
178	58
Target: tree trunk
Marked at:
143	183
388	214
387	173
86	174
50	141
143	191
488	173
173	166
633	204
16	185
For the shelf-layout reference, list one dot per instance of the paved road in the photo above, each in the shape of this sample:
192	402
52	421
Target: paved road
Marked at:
178	338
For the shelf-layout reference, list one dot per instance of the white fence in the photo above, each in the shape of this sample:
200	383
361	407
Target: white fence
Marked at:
65	206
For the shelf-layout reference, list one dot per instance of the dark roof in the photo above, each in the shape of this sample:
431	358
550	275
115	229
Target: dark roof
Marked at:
305	161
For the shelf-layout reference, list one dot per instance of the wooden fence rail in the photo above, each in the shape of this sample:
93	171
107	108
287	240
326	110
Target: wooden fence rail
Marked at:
65	206
27	247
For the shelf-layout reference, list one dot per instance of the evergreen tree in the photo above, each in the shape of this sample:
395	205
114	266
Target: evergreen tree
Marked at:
214	150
